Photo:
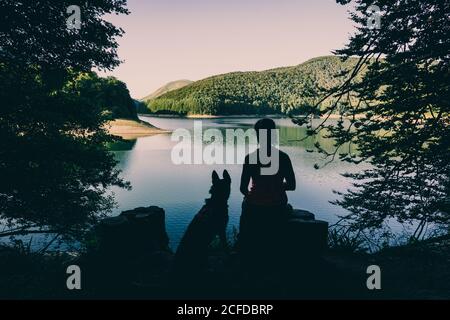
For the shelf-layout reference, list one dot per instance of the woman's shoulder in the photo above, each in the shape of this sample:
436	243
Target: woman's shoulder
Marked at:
282	154
251	158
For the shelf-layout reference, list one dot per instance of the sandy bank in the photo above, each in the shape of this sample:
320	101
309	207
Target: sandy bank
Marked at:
131	129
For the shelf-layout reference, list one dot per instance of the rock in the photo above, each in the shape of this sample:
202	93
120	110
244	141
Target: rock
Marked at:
133	232
148	227
306	236
292	242
301	214
304	232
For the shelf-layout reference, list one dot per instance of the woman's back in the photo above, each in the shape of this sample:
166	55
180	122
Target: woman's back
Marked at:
267	189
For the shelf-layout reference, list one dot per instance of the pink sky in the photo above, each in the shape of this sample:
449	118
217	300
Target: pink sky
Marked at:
168	40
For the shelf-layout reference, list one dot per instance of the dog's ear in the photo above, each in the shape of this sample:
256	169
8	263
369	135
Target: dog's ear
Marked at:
226	176
215	177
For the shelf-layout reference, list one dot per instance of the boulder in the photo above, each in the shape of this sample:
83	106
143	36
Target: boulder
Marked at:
293	240
301	214
303	234
148	226
306	236
133	232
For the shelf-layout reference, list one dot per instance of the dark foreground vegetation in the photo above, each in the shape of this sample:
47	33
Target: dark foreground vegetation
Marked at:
128	257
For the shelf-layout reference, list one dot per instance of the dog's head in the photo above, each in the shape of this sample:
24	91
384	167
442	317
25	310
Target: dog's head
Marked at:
220	189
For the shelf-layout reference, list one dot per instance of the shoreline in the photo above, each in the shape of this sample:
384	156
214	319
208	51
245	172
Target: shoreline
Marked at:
132	129
237	116
209	116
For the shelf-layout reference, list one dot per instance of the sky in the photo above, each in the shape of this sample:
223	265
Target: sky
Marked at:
167	40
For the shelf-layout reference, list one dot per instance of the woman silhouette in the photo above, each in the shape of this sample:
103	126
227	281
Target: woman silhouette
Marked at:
265	204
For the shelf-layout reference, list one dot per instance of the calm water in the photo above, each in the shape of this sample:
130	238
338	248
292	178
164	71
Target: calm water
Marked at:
181	189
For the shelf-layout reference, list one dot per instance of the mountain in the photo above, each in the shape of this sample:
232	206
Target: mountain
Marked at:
174	85
285	90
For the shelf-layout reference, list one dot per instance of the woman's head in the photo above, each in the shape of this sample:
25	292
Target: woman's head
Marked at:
265	124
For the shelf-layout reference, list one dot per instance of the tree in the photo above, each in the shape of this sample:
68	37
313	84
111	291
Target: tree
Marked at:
404	99
109	94
54	166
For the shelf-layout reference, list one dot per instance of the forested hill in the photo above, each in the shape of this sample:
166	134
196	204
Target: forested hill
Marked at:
283	90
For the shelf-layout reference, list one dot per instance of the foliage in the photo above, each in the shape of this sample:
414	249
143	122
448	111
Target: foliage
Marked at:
54	166
346	242
108	94
288	90
30	275
140	106
404	97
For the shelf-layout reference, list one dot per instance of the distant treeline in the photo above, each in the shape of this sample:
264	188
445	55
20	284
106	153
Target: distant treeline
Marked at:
288	90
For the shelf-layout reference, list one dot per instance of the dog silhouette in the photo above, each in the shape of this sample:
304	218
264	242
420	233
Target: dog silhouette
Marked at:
209	222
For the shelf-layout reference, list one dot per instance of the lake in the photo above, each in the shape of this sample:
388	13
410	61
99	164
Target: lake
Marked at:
181	189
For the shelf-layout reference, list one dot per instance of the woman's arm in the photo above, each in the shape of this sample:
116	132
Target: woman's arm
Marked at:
290	183
245	179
